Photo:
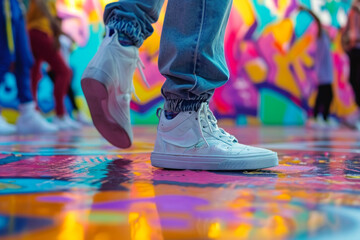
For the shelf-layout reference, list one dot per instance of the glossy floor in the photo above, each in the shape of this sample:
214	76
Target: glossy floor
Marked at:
76	186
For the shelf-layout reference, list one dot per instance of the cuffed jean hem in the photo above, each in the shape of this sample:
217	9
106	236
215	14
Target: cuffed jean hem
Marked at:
182	105
130	29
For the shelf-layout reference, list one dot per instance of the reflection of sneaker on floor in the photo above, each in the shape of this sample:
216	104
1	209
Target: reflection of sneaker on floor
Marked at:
107	86
30	121
192	140
66	123
6	128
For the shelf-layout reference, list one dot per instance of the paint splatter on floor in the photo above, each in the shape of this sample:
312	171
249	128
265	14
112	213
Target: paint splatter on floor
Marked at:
76	186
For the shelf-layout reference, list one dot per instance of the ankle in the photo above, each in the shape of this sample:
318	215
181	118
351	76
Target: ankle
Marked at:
123	39
170	114
26	108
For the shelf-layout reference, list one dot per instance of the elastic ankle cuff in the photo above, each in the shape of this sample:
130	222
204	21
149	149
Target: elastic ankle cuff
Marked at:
127	28
182	105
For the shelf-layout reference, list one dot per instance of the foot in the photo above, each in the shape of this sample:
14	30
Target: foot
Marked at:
317	123
72	123
30	121
66	123
6	128
83	119
192	140
108	87
332	123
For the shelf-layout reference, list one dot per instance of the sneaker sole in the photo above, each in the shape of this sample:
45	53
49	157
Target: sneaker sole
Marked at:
97	98
214	162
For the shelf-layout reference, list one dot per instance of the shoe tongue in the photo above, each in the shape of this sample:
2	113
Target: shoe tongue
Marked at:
213	125
208	120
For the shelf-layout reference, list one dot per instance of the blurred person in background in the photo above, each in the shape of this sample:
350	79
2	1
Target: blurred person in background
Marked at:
75	25
67	45
351	44
44	31
15	48
325	77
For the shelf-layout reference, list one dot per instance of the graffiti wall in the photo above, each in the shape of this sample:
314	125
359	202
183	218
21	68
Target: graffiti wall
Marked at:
270	49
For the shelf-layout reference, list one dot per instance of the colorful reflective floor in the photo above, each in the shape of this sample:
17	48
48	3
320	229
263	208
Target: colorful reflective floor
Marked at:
76	186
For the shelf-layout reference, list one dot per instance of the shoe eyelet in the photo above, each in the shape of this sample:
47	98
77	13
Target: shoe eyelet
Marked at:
196	118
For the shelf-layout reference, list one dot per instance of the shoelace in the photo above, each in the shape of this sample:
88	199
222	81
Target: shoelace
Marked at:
140	65
211	122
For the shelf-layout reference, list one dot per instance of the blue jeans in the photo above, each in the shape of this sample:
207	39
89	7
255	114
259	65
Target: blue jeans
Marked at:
22	55
191	54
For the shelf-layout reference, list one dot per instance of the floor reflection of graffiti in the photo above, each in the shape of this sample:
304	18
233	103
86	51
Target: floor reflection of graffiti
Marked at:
76	186
14	225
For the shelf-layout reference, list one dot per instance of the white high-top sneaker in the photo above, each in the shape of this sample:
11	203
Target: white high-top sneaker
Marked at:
31	122
107	83
5	127
192	140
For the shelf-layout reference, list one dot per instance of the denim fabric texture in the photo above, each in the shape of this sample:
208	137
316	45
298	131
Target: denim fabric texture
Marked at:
22	54
133	18
191	57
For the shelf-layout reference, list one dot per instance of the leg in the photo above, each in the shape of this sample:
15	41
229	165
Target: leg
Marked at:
192	55
133	18
36	68
70	92
318	101
24	59
5	60
354	56
63	76
71	96
193	61
107	80
43	48
6	56
35	78
29	121
328	96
